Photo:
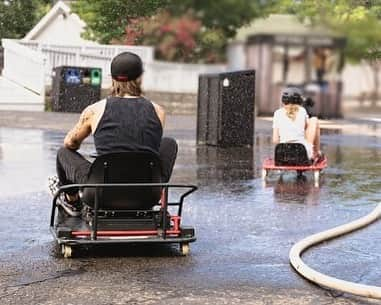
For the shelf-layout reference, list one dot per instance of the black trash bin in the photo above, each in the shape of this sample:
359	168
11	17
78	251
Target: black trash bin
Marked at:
225	113
74	88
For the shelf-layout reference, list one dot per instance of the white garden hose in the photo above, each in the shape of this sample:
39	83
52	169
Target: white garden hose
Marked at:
328	281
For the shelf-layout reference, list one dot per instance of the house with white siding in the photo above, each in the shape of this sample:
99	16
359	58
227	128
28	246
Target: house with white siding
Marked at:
60	26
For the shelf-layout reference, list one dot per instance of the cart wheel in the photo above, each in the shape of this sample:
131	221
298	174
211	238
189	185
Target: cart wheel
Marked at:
184	249
316	178
67	251
264	174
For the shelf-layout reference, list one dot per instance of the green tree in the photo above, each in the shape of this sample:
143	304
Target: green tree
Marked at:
175	37
187	30
19	16
225	15
219	22
107	20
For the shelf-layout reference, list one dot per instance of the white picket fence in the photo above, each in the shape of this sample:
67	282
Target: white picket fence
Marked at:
159	76
146	53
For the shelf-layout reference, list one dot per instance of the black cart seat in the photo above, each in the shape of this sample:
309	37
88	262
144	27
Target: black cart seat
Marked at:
291	154
124	167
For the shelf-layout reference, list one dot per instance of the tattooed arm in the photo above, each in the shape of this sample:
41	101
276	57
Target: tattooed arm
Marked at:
80	131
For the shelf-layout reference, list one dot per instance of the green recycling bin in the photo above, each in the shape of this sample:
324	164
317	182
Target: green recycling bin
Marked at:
96	77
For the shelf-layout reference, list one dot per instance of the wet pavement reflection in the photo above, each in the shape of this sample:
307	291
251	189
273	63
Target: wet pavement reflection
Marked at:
244	228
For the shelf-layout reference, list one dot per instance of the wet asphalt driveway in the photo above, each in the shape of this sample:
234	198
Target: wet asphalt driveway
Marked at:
244	229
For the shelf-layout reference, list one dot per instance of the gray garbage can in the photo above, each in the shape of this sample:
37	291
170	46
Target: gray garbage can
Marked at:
225	113
74	88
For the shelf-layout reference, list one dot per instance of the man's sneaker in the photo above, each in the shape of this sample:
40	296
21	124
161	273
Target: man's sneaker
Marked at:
72	209
53	184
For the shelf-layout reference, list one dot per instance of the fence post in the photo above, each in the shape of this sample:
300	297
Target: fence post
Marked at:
77	57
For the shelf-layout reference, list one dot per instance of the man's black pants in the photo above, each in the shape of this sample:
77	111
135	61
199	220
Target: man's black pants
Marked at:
72	167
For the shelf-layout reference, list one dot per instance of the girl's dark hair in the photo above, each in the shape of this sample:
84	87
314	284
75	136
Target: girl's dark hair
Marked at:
292	98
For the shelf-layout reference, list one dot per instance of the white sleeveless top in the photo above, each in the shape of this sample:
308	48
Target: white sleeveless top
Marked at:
290	130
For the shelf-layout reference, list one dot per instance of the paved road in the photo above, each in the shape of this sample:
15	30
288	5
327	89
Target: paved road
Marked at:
244	229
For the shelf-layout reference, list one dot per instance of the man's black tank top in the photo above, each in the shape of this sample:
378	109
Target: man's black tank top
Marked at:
128	124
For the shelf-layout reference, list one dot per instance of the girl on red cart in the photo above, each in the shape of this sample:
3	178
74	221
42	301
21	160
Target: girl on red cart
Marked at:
292	124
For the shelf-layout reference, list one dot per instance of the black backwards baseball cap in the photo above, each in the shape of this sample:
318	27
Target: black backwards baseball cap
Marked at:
126	66
292	95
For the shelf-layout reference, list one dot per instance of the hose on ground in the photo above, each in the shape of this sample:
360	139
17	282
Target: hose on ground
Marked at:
328	281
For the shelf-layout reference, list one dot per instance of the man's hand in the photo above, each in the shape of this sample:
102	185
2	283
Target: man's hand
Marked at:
80	131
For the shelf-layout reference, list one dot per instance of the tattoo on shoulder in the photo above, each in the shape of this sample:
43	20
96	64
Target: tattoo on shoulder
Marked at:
86	115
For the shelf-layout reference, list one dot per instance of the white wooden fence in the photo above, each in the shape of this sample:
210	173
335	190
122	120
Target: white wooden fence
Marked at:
146	53
159	76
